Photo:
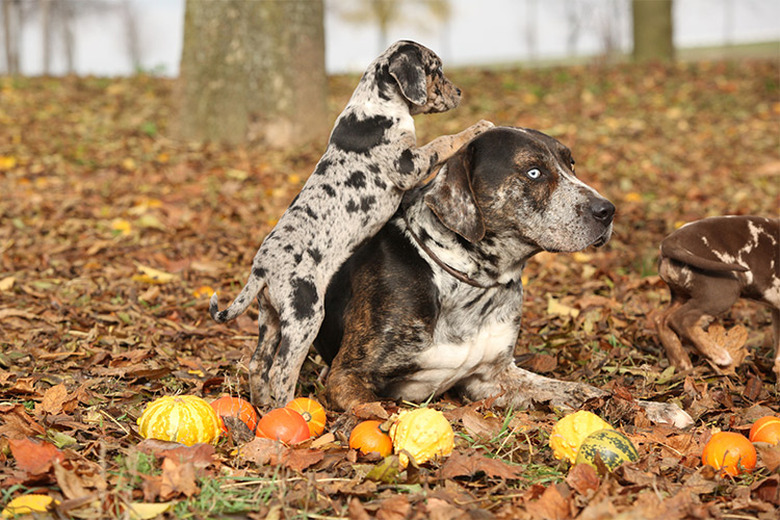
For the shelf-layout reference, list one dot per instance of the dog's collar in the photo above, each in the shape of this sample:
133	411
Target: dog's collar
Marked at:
460	275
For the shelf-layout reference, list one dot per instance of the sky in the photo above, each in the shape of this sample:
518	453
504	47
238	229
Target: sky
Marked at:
478	32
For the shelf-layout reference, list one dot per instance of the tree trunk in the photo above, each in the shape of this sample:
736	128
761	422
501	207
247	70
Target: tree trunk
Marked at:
653	30
253	70
12	22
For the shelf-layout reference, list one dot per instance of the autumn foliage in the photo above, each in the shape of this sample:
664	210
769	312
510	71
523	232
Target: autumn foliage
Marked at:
113	236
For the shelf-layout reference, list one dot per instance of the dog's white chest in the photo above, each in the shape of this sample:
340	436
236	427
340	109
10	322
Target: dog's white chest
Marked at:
446	363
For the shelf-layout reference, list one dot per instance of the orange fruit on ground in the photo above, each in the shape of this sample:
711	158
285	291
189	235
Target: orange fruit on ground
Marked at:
729	452
283	424
235	407
766	429
368	437
313	413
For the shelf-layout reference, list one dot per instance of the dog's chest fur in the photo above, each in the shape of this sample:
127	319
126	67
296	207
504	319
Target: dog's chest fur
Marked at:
474	335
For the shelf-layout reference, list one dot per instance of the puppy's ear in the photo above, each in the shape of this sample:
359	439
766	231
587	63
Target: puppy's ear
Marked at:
406	67
451	198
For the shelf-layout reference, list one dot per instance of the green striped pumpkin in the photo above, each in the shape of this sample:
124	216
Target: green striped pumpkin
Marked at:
187	419
612	447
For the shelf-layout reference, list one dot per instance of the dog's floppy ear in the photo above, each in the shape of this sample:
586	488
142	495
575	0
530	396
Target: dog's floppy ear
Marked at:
451	198
406	67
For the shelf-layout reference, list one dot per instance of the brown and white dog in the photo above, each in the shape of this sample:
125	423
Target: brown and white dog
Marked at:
708	265
433	302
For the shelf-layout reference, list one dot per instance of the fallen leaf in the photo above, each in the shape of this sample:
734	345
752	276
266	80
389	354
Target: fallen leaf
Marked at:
732	341
34	457
770	455
556	308
147	511
53	400
554	504
479	426
299	459
178	478
153	276
469	464
394	508
28	504
583	479
368	411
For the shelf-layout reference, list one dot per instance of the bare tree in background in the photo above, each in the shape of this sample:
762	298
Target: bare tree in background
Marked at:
132	34
653	30
12	24
386	13
253	69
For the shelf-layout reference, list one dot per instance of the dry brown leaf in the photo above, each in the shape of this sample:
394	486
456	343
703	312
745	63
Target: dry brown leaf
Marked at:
53	400
178	478
394	508
469	464
554	504
299	459
732	341
583	479
34	457
479	426
769	454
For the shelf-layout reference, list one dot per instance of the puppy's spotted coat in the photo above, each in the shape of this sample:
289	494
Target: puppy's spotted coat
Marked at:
371	159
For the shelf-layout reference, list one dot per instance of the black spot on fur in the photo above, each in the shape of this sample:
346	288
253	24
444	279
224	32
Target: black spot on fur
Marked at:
366	203
315	255
406	162
356	180
304	296
311	213
322	167
351	206
328	189
258	272
379	183
360	135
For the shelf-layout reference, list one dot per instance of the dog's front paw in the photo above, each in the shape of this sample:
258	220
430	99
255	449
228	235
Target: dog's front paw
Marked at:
481	126
667	413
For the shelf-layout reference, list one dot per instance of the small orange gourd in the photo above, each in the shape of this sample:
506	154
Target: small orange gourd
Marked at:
368	437
731	453
235	407
313	413
766	429
283	424
187	419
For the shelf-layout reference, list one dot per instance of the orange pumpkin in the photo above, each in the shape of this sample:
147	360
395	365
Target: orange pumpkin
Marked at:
766	429
312	412
235	407
368	437
187	419
729	452
283	424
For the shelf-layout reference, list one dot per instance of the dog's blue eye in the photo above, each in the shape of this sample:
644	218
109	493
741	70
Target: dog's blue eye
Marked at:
534	173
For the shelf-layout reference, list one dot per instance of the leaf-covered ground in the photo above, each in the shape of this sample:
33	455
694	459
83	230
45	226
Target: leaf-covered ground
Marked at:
112	237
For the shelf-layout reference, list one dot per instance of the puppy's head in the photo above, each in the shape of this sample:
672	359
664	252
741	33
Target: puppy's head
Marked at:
416	72
520	183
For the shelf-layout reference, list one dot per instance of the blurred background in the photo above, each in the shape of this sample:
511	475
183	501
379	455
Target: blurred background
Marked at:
121	37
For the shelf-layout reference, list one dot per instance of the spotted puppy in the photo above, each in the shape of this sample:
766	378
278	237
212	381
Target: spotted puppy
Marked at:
433	301
708	265
371	159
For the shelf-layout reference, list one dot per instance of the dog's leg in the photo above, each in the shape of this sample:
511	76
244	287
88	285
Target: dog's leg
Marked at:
519	388
344	390
675	351
414	168
267	342
776	336
713	297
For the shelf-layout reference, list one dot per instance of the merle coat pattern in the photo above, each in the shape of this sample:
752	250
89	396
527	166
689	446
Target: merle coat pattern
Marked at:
708	265
371	160
433	302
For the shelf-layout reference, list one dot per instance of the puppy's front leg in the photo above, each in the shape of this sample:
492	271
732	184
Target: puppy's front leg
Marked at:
414	165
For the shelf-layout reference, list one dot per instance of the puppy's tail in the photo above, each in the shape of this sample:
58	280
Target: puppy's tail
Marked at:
250	291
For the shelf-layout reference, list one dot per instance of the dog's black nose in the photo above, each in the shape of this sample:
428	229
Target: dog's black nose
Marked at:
602	209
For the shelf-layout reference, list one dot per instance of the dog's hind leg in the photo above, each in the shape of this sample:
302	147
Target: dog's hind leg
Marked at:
675	351
691	318
776	337
268	341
